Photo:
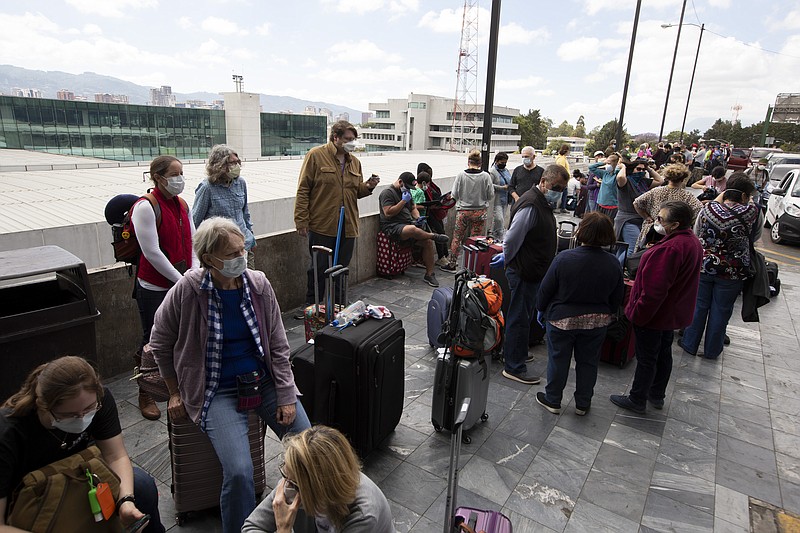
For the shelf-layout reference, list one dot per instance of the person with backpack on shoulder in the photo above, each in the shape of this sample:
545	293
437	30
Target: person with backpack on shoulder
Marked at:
164	231
224	194
528	250
436	213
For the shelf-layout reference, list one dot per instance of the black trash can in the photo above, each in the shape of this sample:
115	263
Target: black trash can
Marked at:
46	311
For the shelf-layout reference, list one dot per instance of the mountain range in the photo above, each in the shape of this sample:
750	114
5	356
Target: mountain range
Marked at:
89	83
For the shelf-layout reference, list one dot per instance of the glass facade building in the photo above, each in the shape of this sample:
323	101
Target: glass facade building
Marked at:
287	134
108	131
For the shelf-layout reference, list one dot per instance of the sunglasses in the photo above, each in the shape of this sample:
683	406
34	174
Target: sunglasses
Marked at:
640	169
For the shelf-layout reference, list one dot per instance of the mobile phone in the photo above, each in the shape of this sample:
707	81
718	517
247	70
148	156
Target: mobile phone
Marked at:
289	491
133	528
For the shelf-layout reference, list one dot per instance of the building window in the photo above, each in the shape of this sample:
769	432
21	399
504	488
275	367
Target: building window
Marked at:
381	114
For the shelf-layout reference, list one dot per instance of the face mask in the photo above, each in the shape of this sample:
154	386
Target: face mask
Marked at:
74	425
609	168
232	268
235	171
761	167
501	166
527	161
552	197
349	146
659	228
175	185
638	175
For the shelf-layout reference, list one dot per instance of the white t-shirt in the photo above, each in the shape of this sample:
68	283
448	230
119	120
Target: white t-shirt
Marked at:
573	186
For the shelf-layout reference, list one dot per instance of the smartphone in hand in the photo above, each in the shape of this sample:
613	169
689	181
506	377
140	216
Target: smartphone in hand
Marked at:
136	526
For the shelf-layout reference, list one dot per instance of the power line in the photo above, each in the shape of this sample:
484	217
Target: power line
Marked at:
752	45
695	12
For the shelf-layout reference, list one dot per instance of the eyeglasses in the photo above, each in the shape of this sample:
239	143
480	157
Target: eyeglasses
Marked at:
94	407
289	483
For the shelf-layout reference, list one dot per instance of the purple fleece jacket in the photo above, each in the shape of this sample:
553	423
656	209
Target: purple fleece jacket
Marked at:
180	333
665	291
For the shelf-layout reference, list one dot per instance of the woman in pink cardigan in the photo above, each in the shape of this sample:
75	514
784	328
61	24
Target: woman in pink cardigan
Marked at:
220	345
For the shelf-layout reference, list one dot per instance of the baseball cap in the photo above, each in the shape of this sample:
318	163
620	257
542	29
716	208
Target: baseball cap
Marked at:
599	152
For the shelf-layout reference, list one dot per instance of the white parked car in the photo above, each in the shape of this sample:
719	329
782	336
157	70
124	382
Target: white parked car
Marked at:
783	209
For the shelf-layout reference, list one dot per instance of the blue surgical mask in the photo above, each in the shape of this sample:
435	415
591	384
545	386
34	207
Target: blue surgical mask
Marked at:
609	168
552	197
526	161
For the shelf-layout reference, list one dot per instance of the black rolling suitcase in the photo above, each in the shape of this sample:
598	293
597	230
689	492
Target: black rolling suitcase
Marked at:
302	360
360	380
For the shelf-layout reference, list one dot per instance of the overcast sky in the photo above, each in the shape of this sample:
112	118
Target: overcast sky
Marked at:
566	58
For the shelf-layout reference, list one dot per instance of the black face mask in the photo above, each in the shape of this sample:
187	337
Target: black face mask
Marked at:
501	165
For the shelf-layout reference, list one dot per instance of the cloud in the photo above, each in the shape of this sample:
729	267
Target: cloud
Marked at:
92	29
791	20
449	20
587	48
263	29
221	26
185	23
310	63
513	33
365	51
720	3
110	8
593	7
522	83
403	6
358	7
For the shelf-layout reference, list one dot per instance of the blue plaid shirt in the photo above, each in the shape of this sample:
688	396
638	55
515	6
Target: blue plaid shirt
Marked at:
229	201
214	344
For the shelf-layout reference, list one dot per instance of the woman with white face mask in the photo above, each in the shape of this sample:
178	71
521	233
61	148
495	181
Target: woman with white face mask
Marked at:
224	194
61	408
225	317
164	230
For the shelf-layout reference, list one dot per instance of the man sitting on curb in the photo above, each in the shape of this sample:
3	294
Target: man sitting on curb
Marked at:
400	221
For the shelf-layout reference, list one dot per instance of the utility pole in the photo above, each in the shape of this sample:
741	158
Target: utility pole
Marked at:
628	75
671	72
488	105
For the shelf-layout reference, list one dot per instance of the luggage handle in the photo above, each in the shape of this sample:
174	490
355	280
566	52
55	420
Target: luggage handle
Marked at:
341	271
314	255
452	477
329	289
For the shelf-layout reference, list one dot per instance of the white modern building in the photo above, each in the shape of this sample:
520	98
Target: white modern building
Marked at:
577	145
425	122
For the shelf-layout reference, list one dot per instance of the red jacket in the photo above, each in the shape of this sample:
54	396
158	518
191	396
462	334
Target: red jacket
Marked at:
665	290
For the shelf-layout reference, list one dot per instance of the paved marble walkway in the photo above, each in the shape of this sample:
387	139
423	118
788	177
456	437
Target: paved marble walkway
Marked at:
729	432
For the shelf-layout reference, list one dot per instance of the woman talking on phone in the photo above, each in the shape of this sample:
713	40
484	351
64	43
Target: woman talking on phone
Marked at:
321	482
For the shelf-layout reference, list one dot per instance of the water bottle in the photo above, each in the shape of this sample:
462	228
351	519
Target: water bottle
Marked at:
350	313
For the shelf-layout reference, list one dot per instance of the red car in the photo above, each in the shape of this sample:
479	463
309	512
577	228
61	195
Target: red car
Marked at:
739	159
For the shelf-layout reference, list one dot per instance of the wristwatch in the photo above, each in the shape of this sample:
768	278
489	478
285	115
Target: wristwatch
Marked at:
128	498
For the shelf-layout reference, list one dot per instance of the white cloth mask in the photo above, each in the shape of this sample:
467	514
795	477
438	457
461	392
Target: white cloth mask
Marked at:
175	184
349	146
659	228
232	268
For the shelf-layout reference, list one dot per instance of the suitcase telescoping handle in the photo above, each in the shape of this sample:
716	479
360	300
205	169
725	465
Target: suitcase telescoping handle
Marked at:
331	274
452	476
315	250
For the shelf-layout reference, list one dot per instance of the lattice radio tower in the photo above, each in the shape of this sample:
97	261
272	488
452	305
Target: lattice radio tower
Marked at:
465	106
736	108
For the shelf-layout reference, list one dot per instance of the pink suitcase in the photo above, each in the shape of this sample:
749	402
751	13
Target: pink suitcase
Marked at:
393	259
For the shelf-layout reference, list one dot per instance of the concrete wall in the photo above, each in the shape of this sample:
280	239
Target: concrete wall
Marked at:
243	123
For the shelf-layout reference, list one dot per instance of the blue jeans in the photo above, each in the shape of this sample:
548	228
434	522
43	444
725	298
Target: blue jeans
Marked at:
629	234
498	222
715	299
653	364
227	428
144	488
591	205
521	308
345	254
561	343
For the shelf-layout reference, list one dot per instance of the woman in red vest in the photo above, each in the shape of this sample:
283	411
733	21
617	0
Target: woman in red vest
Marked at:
164	230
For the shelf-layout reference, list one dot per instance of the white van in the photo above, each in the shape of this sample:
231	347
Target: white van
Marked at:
783	209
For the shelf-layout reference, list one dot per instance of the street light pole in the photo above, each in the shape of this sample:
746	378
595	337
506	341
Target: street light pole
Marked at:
488	105
618	135
691	83
671	72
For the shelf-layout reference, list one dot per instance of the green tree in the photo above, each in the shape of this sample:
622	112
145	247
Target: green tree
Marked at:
553	146
532	129
562	130
580	127
601	137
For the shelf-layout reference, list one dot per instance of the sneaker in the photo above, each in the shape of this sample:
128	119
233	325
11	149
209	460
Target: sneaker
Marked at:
448	268
441	238
554	408
727	340
301	314
530	358
526	378
417	264
625	402
657	404
431	280
581	411
442	261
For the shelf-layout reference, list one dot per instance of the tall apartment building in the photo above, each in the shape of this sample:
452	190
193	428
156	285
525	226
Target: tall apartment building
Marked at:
425	122
26	93
162	96
65	94
106	98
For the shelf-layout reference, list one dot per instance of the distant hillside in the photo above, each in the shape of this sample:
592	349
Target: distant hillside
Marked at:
89	83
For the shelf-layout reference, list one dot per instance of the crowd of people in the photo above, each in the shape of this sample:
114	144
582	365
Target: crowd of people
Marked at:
214	326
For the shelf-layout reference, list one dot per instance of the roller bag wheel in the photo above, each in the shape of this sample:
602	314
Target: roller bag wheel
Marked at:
457	378
479	254
467	518
302	360
619	346
438	307
360	380
196	471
